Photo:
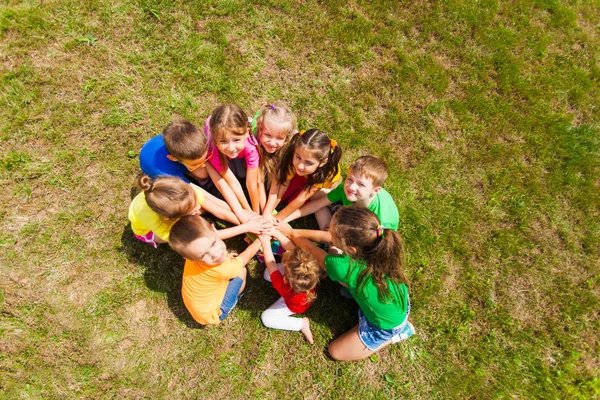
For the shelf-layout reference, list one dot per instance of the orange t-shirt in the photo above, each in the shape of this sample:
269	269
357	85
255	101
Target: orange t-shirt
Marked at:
203	288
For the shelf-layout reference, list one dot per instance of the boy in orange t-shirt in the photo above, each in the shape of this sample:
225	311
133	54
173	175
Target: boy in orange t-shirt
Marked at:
213	279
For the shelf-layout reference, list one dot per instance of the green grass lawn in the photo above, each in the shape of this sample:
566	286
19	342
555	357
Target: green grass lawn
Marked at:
486	112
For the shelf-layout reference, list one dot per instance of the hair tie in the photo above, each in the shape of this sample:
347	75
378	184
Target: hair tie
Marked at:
272	106
380	230
333	143
301	132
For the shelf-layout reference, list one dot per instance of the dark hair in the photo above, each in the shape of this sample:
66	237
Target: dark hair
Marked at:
381	249
321	147
227	118
186	230
168	196
184	140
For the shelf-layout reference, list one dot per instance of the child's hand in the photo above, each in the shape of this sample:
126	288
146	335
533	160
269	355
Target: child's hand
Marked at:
257	225
271	218
247	215
285	229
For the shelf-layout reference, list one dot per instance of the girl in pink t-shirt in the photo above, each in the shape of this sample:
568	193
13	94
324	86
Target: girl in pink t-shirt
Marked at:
227	130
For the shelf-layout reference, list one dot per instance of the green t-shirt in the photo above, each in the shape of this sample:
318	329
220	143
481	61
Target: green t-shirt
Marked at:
383	314
382	205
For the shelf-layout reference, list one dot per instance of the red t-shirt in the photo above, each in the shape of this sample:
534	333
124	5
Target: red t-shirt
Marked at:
296	302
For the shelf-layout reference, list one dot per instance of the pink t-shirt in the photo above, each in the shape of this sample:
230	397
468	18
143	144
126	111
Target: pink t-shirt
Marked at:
249	153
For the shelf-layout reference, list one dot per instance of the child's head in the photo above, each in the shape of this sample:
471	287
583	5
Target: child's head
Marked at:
365	177
185	143
169	196
229	128
357	231
311	154
196	239
301	270
275	126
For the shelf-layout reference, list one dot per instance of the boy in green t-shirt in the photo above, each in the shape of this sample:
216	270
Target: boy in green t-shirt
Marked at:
363	188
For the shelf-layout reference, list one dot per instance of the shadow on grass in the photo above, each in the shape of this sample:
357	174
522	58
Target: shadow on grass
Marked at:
164	271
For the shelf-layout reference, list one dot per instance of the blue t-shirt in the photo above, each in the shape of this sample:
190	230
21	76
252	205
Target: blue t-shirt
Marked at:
154	161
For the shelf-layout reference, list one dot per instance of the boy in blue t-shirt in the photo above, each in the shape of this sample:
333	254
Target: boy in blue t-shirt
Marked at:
363	188
180	151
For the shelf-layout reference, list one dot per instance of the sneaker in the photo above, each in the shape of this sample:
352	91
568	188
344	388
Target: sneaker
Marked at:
407	332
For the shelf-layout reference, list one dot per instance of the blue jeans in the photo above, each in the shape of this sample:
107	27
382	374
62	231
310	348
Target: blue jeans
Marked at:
231	296
374	337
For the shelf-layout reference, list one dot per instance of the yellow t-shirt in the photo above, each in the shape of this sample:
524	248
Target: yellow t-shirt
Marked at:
328	184
203	288
144	220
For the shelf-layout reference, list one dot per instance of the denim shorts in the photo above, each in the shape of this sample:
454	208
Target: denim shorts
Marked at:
231	296
374	337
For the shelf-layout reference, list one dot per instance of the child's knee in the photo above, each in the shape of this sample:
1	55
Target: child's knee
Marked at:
266	317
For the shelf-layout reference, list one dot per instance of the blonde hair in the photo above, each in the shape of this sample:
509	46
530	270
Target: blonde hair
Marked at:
277	114
301	271
227	118
372	167
168	196
184	140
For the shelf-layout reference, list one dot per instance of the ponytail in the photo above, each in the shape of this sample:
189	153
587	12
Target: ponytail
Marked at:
380	249
168	196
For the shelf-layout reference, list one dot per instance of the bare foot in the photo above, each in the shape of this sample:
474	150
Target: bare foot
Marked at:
306	330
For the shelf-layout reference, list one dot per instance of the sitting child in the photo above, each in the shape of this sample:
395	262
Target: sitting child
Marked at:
363	188
308	170
166	199
296	281
179	151
213	279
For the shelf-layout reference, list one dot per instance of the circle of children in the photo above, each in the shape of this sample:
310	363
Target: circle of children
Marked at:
286	174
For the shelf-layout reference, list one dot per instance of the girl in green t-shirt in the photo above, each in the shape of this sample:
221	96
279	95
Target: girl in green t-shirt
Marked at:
372	268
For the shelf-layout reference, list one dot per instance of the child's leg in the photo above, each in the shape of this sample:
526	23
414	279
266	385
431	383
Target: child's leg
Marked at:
349	347
235	287
279	316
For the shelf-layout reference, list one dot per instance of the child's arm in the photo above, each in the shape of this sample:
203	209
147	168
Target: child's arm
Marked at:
310	234
308	209
296	203
217	207
256	224
235	185
253	190
275	194
250	252
262	195
227	193
304	243
268	254
283	239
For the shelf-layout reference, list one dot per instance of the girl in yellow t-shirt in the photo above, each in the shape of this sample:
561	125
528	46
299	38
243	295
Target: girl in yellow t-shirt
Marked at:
166	199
